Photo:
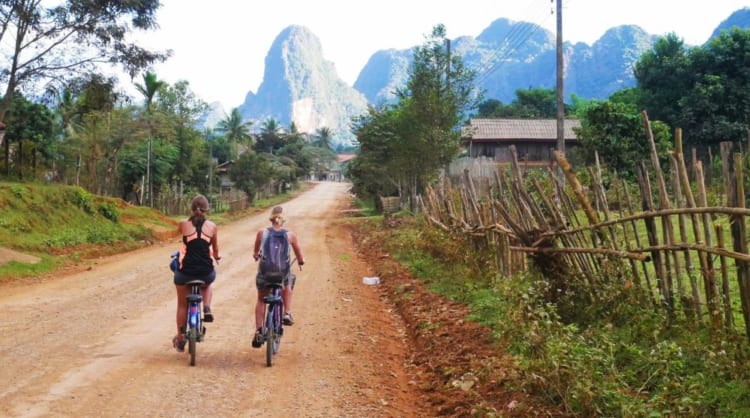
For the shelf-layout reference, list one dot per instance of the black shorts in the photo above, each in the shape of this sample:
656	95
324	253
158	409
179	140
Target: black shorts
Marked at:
260	282
181	278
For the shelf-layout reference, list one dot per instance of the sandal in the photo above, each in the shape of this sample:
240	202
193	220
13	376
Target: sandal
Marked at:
178	343
207	315
288	320
258	339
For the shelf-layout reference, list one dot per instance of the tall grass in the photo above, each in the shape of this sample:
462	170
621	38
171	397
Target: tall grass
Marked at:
620	361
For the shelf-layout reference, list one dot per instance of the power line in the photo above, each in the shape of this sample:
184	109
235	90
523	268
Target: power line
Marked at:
519	34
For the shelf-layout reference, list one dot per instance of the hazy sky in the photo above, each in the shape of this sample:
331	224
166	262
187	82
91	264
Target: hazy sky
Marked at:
220	45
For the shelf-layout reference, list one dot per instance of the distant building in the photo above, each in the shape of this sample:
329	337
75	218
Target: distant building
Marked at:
335	172
534	139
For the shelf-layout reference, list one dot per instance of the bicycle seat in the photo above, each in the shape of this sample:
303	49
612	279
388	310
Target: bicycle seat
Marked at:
196	281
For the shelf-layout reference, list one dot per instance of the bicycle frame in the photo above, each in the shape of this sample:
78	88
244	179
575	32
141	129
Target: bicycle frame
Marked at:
194	329
273	328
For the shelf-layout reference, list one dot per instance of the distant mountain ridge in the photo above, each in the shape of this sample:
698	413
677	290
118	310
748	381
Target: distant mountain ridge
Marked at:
300	86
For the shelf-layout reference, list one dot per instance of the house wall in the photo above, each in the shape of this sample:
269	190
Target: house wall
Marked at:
526	151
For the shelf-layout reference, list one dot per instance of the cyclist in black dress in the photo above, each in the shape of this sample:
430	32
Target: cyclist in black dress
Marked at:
200	246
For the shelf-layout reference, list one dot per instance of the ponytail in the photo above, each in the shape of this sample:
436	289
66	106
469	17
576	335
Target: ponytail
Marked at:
198	209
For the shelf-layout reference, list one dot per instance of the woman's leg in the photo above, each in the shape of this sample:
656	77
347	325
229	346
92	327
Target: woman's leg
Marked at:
182	292
260	307
207	292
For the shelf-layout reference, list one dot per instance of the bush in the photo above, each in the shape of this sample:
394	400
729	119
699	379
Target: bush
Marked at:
109	211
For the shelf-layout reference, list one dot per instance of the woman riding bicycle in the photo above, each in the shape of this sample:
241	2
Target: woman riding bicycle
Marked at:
277	224
200	246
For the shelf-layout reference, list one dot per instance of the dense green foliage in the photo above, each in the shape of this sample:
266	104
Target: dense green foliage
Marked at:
616	358
704	90
617	133
535	103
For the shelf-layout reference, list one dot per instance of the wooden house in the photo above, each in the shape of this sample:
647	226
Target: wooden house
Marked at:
534	139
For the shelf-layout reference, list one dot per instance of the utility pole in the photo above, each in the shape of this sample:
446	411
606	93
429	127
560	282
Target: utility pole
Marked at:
560	89
148	175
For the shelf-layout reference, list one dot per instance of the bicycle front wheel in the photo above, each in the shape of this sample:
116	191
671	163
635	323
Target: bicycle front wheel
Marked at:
192	336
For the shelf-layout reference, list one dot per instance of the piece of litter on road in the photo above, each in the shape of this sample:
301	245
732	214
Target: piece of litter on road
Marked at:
371	280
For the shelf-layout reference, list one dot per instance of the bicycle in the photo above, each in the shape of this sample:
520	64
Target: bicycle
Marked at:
273	327
194	329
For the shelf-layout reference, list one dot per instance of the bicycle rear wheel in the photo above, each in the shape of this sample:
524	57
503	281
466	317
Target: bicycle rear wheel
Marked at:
270	337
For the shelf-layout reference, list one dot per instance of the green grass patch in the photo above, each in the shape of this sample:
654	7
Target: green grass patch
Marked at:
52	220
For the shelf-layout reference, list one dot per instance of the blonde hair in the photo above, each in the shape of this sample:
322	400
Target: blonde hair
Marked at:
276	216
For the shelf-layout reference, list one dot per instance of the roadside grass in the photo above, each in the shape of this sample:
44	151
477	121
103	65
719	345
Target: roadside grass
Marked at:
65	225
624	360
62	225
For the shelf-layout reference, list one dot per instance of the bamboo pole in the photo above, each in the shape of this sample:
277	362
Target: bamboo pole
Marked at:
570	176
726	163
697	233
727	297
559	224
600	251
691	306
707	267
653	239
666	223
626	237
646	273
740	244
661	212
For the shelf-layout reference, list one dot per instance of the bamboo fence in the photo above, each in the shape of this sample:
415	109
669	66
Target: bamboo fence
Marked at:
668	241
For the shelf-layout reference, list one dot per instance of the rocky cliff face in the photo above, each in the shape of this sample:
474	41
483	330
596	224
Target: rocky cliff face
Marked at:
300	86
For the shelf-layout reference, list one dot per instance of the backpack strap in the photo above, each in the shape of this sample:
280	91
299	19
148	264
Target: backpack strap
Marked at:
263	240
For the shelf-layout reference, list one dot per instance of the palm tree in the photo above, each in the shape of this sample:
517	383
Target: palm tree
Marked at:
271	136
151	85
235	130
324	136
68	113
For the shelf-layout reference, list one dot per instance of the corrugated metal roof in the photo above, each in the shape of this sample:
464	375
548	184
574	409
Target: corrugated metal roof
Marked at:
517	129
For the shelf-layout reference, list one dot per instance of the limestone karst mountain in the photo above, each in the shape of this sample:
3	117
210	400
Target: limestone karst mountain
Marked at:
300	86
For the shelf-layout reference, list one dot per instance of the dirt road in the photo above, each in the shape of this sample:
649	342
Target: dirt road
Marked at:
98	343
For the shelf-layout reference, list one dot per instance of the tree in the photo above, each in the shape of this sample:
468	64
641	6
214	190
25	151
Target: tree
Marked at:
271	136
716	107
615	131
251	172
150	87
183	110
704	90
375	171
663	76
49	41
323	137
528	104
536	103
403	145
439	94
86	109
235	130
31	124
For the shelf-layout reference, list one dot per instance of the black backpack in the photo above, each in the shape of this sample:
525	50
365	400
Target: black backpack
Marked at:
274	261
